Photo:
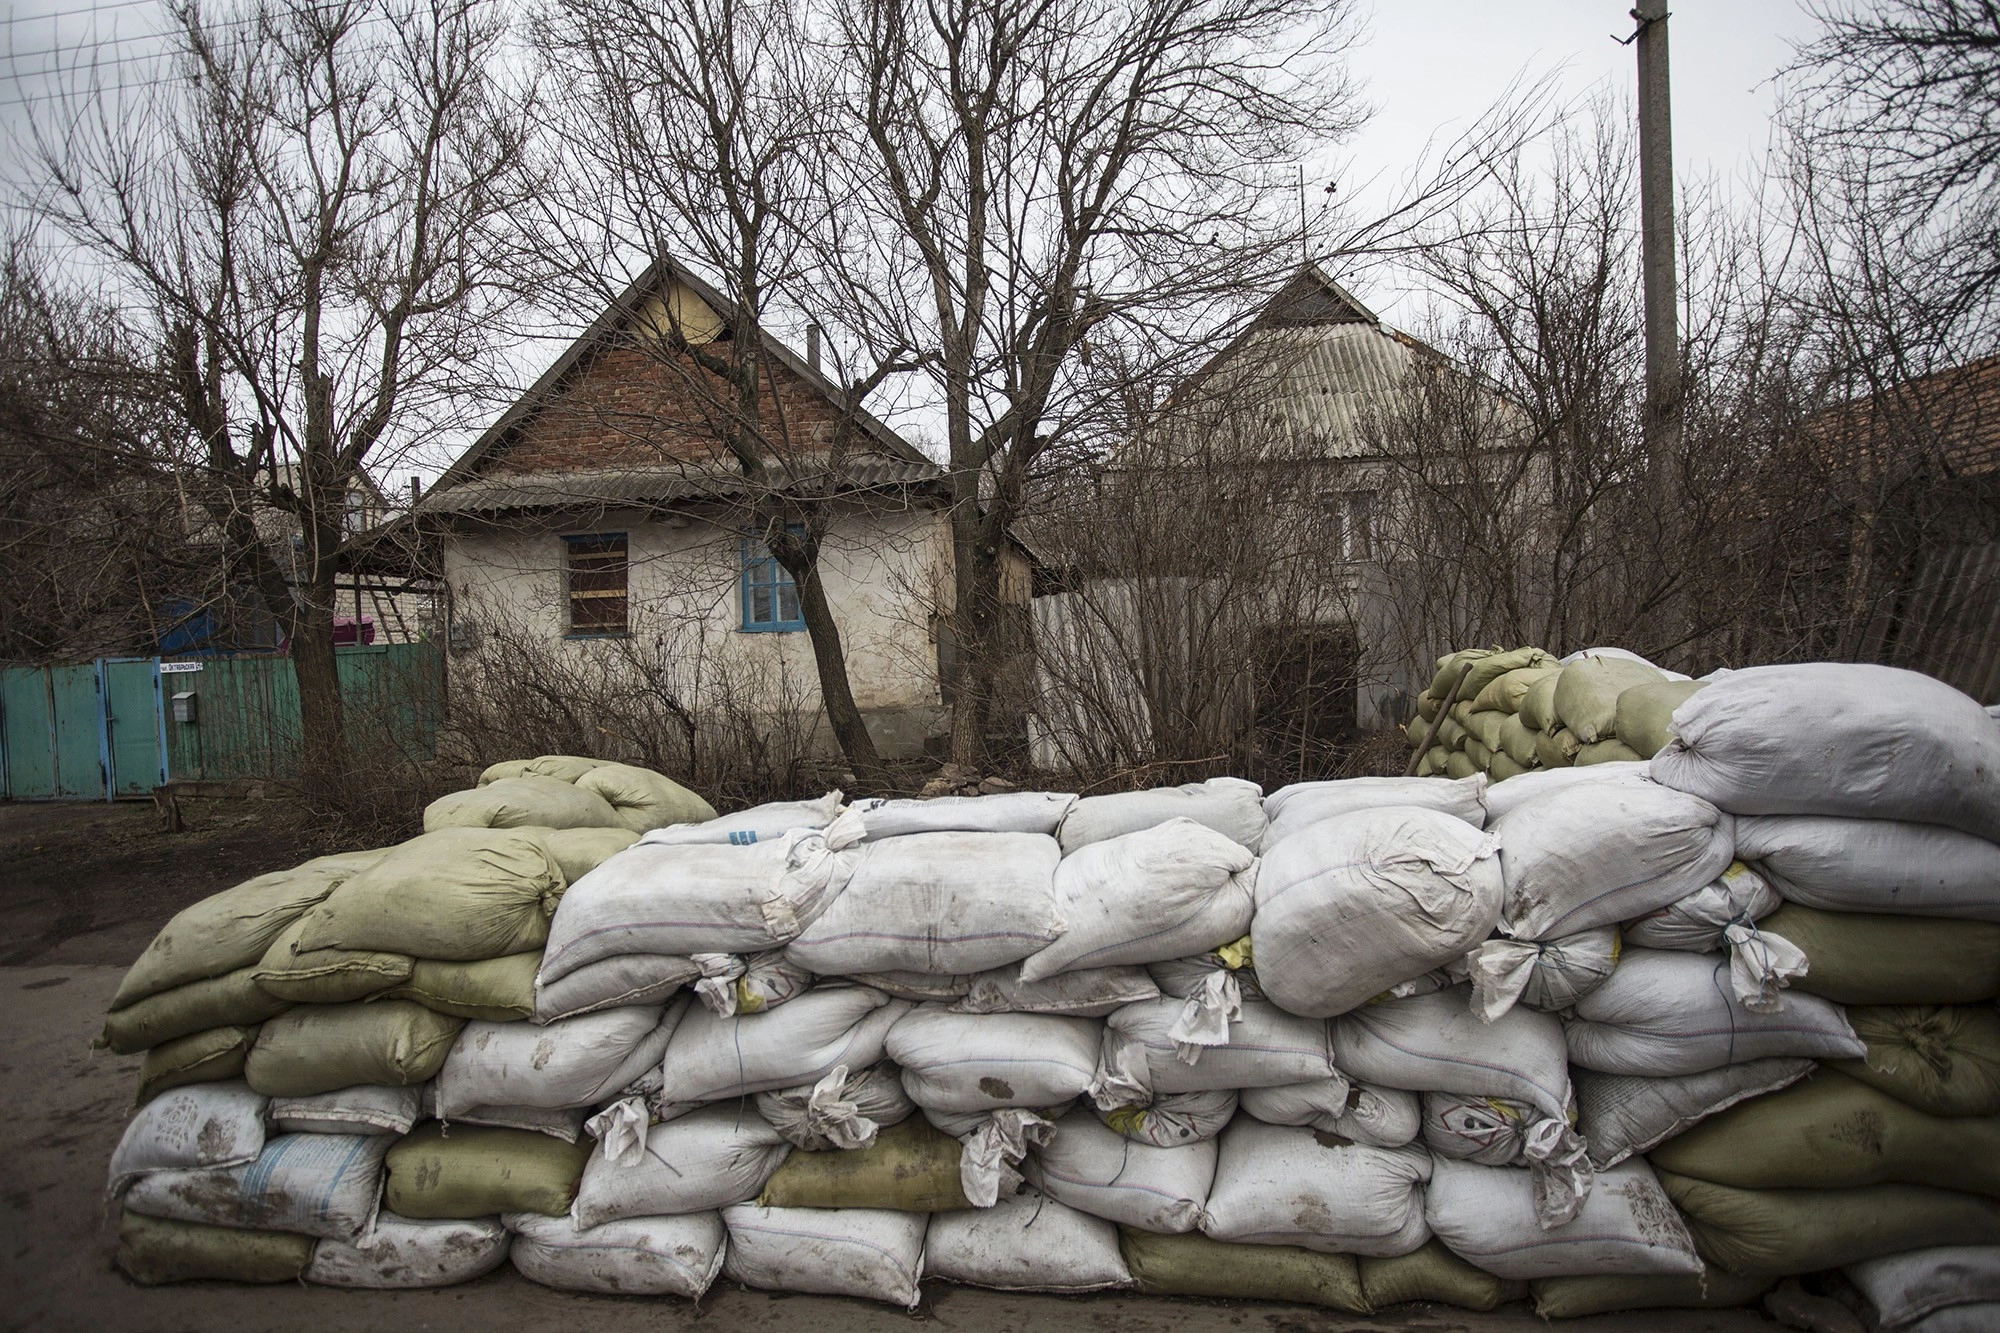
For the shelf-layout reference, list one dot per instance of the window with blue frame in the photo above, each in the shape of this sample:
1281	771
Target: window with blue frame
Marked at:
770	598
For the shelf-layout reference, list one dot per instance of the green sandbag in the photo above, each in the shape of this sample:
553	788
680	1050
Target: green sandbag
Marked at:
1433	763
1487	664
644	799
1942	1059
1194	1265
459	894
561	767
499	990
1871	958
1645	714
478	1171
1517	742
1538	705
199	1057
524	802
230	1000
1459	765
581	850
1587	694
319	1048
1478	753
1486	727
1504	693
231	930
912	1168
1503	767
1451	733
1427	707
327	976
1829	1132
1782	1232
1574	1297
1556	749
1611	751
153	1251
1434	1273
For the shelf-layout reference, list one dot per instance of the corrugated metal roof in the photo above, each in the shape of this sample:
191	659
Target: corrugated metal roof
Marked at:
616	487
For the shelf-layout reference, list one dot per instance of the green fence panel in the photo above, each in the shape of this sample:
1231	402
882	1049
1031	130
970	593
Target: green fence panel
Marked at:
79	732
132	724
27	733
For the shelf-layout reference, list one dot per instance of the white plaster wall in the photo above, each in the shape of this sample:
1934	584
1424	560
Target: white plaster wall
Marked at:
883	571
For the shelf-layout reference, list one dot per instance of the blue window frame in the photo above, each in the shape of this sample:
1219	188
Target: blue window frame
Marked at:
770	598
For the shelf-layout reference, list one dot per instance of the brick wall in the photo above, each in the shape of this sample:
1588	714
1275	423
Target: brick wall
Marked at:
640	406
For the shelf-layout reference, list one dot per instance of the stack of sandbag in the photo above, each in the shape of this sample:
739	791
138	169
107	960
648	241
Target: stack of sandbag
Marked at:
1356	1043
1867	800
302	1030
1522	711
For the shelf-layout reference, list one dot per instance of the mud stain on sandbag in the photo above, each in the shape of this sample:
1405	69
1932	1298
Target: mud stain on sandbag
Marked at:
1313	1216
1862	1131
996	1088
1654	1214
216	1141
545	1051
1326	1138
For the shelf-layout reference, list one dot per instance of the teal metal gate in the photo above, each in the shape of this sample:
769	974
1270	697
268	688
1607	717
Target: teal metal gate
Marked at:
93	731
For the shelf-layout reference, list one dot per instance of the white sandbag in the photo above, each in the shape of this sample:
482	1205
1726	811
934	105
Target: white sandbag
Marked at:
1173	1120
1979	1317
1503	798
559	1122
879	817
577	1061
310	1184
1094	1168
874	1253
1486	1216
1090	993
1307	803
1176	888
1826	738
613	983
1597	854
712	1057
1494	1131
641	1256
1623	654
1277	1185
1549	975
732	984
842	1111
1025	1243
992	1150
1359	1112
937	902
760	823
673	899
966	1063
916	987
367	1109
1183	978
1232	807
407	1254
1353	905
1142	1059
1676	1013
961	1125
196	1127
1905	1287
1620	1115
1694	924
1875	865
1434	1043
707	1159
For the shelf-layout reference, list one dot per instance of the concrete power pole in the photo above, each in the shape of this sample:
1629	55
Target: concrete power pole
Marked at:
1656	250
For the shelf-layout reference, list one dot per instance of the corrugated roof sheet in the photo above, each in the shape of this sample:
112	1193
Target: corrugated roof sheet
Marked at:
611	488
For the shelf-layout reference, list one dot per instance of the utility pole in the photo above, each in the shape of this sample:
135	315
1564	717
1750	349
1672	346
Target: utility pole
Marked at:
1656	251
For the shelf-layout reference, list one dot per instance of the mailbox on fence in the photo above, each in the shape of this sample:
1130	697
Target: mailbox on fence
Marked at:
184	707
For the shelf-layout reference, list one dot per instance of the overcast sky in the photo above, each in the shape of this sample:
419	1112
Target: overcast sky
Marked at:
1429	68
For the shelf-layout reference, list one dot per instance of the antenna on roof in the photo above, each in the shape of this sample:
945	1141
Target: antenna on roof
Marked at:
812	346
1305	227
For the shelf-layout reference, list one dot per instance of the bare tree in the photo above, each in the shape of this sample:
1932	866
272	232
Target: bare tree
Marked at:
308	211
1029	183
702	128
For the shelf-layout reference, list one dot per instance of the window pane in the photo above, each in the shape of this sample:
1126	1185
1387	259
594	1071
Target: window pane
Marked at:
598	572
788	603
760	604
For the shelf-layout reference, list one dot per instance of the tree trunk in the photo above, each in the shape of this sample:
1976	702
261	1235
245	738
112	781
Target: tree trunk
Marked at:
836	692
323	753
976	574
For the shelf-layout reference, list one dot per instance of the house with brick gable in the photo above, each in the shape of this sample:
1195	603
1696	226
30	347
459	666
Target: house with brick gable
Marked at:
602	519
